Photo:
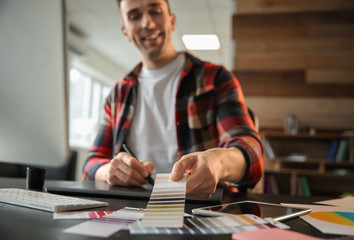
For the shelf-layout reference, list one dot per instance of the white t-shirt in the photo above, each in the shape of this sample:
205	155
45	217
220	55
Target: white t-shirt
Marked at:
152	136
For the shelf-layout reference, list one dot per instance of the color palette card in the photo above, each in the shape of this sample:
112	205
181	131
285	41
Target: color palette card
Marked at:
341	223
107	225
329	219
166	205
80	214
212	225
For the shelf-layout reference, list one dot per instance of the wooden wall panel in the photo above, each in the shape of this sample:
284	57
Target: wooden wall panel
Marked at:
292	19
324	76
292	84
296	57
294	25
312	45
294	32
275	6
321	113
292	61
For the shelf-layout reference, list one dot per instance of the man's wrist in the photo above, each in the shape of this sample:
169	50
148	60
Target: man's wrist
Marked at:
233	163
101	173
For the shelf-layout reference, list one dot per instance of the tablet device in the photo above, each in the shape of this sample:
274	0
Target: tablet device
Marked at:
103	189
261	209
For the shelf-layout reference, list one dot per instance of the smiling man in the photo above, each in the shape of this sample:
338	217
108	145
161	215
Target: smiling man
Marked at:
150	28
177	113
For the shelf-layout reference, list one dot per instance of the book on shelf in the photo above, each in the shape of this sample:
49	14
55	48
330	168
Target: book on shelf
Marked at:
343	150
269	149
274	184
333	150
268	186
271	185
299	187
305	186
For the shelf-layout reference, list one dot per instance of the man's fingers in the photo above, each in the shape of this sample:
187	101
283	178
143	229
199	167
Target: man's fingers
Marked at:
180	167
128	170
122	179
150	166
135	164
129	175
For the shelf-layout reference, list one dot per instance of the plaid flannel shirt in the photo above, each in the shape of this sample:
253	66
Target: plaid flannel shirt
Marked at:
210	112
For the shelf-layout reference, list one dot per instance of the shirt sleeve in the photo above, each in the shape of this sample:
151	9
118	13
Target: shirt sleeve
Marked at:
102	149
236	128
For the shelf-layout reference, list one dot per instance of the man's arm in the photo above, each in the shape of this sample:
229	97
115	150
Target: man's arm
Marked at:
123	169
101	151
239	156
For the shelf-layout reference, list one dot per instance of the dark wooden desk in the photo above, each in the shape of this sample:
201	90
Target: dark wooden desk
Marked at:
22	223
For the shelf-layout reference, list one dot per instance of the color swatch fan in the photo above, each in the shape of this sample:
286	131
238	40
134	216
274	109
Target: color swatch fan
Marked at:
166	204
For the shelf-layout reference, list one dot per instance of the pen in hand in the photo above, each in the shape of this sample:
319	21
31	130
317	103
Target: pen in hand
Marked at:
148	178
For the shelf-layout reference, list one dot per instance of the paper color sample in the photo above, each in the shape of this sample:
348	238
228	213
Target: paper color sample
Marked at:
272	233
80	214
107	225
318	218
212	225
166	204
347	202
341	218
329	227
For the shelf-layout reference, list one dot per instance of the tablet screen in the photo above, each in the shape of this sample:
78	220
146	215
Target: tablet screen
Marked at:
259	209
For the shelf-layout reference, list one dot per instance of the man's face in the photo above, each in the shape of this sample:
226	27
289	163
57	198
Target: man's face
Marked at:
149	25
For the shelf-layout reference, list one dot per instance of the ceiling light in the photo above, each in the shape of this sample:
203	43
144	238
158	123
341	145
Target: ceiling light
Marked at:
201	42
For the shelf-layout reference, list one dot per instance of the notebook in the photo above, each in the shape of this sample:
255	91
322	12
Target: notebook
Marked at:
103	189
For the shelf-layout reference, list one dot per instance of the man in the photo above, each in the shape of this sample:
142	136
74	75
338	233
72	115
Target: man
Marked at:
175	112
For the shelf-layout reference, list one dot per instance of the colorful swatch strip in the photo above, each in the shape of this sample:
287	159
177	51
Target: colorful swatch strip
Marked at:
107	225
80	214
212	225
166	205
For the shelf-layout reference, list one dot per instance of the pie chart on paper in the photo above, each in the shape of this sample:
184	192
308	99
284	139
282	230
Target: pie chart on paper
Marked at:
341	218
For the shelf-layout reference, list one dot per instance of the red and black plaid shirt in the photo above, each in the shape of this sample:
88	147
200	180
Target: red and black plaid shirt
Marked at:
210	112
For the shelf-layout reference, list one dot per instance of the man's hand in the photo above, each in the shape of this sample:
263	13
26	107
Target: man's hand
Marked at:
208	168
125	170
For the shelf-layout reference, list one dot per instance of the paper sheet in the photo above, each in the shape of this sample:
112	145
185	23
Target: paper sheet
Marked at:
166	205
107	225
347	202
329	219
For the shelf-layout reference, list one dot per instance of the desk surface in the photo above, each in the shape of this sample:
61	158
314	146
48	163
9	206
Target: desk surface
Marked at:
21	223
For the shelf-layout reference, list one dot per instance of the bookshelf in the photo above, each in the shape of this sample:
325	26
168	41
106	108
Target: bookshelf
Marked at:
319	165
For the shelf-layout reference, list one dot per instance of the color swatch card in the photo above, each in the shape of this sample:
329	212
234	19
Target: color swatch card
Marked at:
166	205
107	225
341	223
80	214
212	225
329	219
